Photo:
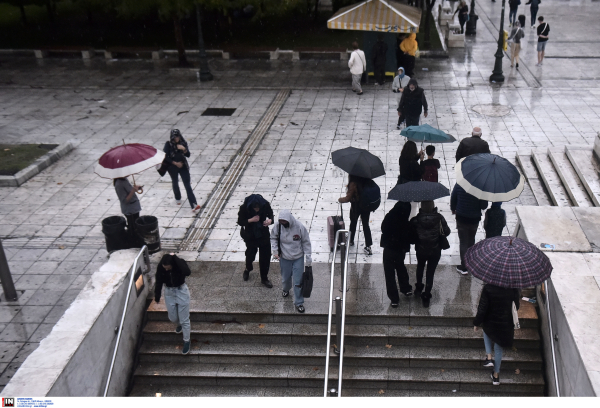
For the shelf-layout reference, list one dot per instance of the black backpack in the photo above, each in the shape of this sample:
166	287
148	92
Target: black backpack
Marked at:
370	197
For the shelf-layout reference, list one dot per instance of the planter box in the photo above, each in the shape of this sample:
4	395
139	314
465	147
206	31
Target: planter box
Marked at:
456	40
449	27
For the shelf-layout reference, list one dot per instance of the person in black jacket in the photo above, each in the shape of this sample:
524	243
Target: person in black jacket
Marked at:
472	145
255	216
410	170
494	221
379	52
494	315
395	240
176	151
171	272
428	225
412	103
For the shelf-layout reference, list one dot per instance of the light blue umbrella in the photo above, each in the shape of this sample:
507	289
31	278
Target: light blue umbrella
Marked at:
426	133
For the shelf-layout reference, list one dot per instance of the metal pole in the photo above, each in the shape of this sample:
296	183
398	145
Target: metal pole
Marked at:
497	72
8	285
205	74
551	338
338	324
342	259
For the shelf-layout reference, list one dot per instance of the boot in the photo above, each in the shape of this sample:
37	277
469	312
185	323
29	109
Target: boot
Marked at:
425	297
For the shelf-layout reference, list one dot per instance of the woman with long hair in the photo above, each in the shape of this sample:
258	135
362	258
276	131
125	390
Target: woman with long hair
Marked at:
410	170
176	154
354	191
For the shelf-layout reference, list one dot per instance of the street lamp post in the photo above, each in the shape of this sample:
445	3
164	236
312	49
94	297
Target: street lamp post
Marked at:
472	23
497	72
205	74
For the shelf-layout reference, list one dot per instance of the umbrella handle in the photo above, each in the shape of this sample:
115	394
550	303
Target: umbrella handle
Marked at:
140	190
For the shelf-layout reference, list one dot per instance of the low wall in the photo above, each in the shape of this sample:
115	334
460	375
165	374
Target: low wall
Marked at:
75	358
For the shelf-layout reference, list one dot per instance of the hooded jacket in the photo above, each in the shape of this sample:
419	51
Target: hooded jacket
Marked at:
427	226
295	241
494	313
395	229
409	45
414	102
400	83
254	230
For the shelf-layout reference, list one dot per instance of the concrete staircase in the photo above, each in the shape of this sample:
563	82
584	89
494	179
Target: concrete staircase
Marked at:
262	347
567	177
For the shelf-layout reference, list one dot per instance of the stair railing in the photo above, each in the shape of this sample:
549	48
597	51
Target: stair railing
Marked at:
340	314
552	338
143	252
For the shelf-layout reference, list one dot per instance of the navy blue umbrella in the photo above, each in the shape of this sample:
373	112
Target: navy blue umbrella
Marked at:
489	177
417	191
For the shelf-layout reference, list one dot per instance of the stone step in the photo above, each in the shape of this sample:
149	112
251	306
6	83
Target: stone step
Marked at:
549	176
584	164
302	376
148	390
300	333
531	174
314	354
570	180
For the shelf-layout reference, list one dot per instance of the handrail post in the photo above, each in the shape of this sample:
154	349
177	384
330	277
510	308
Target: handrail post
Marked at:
551	337
342	261
338	324
329	318
343	325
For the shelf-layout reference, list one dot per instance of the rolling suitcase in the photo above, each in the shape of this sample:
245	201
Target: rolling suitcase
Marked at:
334	224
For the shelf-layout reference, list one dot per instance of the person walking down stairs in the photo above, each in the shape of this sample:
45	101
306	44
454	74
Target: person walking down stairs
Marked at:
171	272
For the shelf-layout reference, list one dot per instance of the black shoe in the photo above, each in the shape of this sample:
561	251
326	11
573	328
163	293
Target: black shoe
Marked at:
407	294
179	329
394	304
300	308
495	380
419	288
368	251
425	301
246	274
267	283
186	347
517	65
360	93
285	293
488	363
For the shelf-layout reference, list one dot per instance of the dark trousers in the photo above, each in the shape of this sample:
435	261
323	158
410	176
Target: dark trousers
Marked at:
184	172
412	120
466	236
462	20
133	241
364	215
263	247
512	16
393	264
379	73
432	261
534	11
409	65
401	119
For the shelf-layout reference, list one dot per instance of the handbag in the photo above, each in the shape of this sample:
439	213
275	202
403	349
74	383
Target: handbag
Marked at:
444	244
515	315
364	76
162	169
307	281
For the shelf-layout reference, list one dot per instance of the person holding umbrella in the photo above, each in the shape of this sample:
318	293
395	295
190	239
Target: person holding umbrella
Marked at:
130	204
176	151
354	190
428	225
505	265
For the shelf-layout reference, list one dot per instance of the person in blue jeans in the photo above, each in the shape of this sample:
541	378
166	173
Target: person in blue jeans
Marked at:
494	315
535	4
290	243
171	273
176	154
512	14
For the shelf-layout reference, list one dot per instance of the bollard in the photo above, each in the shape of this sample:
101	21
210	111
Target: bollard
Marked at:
338	324
7	282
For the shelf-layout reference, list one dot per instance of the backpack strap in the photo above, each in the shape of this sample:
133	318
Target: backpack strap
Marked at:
279	239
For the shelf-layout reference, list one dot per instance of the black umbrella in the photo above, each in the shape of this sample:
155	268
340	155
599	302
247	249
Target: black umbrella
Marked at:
416	191
358	162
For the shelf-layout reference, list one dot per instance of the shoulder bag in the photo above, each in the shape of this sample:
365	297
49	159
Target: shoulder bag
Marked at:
444	244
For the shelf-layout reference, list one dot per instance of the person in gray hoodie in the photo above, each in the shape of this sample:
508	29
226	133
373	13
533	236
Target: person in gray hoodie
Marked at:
290	243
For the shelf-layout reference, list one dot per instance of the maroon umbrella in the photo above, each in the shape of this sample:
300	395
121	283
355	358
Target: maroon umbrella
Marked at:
508	262
128	159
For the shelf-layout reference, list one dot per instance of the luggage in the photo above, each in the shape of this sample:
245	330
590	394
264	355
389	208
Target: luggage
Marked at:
334	224
370	197
307	281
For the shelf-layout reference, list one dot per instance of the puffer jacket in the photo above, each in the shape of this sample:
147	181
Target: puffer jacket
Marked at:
414	102
395	229
494	313
294	240
426	226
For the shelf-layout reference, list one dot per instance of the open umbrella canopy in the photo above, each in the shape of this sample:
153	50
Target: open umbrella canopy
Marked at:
417	191
426	133
508	262
489	177
128	159
358	162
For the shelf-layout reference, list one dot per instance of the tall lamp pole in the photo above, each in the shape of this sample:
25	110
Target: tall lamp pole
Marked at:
497	72
205	74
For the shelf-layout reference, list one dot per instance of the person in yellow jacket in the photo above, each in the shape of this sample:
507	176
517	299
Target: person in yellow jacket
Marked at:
409	47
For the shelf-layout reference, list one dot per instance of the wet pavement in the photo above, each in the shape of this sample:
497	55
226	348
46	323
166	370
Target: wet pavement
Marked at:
50	226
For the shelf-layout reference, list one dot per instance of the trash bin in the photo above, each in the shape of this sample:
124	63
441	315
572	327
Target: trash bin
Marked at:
147	229
114	233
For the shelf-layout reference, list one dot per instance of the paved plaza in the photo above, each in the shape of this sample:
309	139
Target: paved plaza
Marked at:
50	226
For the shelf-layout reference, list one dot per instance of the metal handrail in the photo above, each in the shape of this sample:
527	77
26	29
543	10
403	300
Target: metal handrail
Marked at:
344	273
551	338
143	251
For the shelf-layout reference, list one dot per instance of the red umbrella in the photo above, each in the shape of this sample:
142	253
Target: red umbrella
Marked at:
128	159
508	262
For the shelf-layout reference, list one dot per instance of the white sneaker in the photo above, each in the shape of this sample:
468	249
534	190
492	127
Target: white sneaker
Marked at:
178	202
461	271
